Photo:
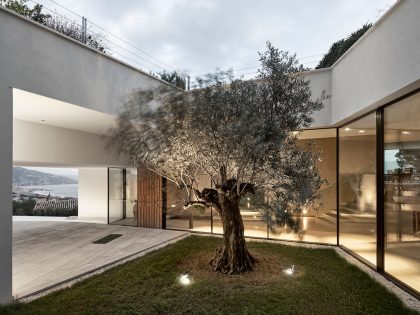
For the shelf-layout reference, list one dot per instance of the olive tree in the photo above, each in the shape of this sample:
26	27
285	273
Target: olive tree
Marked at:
241	134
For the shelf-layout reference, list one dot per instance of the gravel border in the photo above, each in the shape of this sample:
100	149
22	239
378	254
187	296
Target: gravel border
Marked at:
70	282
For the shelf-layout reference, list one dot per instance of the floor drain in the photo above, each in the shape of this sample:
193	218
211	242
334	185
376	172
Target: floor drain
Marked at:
107	239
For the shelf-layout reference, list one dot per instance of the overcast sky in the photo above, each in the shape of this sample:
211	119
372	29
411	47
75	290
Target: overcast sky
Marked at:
198	36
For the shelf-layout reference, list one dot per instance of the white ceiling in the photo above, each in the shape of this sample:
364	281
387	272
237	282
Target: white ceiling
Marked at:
44	110
317	133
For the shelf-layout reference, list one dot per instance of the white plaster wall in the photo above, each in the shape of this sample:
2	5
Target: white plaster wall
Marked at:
38	144
38	60
382	64
93	194
320	80
6	122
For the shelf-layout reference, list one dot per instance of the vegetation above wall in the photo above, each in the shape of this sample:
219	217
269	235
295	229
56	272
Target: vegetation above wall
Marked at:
55	22
340	47
174	78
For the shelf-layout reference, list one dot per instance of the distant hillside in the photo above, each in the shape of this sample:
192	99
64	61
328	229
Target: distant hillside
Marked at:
25	177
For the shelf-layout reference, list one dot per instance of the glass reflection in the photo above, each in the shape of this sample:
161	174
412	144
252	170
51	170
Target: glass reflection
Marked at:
319	223
182	216
122	192
357	195
402	190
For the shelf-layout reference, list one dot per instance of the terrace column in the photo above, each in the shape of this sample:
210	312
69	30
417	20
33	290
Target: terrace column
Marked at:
6	164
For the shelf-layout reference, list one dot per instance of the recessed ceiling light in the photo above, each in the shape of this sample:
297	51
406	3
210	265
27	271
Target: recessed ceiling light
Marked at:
347	129
361	131
406	132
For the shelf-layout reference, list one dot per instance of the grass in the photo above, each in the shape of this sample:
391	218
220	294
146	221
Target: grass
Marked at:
323	283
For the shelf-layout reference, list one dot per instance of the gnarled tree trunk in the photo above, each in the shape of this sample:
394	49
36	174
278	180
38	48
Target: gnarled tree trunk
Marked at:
232	256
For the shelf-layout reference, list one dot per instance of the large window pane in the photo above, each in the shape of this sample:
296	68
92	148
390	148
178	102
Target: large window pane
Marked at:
357	187
180	216
402	190
131	204
318	224
116	194
254	223
122	191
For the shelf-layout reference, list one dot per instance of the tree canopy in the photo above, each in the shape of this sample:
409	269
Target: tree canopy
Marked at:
174	78
241	134
338	48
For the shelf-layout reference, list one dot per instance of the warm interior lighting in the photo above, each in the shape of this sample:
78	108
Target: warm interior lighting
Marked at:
347	129
406	132
361	131
185	279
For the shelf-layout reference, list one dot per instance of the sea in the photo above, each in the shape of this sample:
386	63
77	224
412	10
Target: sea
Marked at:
63	190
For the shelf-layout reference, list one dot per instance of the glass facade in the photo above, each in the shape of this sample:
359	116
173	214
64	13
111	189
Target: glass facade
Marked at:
402	190
181	216
319	223
357	158
357	187
122	196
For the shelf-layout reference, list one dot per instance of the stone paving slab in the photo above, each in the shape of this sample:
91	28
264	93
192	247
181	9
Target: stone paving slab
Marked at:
46	253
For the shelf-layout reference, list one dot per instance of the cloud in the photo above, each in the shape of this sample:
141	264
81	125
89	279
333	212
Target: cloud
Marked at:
200	35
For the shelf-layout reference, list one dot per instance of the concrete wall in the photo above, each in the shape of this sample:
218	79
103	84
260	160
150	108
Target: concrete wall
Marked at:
93	194
380	66
38	60
37	144
6	130
320	80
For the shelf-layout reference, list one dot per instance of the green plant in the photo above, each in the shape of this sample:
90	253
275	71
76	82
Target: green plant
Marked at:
340	47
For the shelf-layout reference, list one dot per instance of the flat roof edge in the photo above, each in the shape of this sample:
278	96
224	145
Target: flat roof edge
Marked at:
370	30
28	20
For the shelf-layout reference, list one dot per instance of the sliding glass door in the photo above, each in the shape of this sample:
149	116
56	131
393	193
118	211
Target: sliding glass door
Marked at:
402	190
122	196
357	187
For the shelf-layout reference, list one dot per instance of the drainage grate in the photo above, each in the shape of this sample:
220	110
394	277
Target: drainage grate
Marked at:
107	239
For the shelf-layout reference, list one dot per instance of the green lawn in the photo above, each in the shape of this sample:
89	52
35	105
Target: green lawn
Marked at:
323	283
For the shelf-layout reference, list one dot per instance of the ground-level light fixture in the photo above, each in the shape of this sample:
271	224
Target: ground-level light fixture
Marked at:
289	271
185	279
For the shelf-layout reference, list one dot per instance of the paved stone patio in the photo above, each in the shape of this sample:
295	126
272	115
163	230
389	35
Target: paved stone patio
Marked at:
46	253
